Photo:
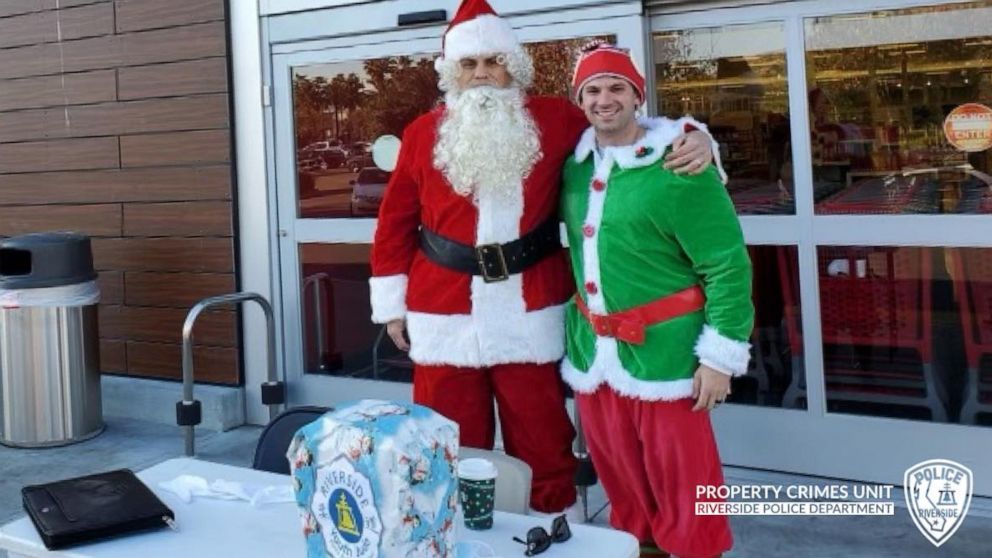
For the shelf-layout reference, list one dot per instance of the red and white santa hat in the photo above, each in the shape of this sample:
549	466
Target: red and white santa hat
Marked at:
477	30
602	59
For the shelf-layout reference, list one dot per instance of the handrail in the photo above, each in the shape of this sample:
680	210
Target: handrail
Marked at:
319	280
188	413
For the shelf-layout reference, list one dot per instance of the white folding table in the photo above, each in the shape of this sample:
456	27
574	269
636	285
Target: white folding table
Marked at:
210	527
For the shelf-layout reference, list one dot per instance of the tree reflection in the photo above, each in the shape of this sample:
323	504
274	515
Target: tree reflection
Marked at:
388	93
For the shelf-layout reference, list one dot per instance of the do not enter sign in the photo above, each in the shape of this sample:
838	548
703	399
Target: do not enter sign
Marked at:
969	127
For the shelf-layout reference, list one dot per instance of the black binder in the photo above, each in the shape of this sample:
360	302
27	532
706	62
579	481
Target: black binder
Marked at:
93	507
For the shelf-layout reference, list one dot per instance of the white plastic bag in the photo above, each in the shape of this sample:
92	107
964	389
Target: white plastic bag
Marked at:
80	294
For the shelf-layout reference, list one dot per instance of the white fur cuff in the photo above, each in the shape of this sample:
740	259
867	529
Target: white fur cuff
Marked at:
388	296
722	353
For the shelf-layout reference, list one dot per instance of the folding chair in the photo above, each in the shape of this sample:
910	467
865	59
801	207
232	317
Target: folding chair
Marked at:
270	452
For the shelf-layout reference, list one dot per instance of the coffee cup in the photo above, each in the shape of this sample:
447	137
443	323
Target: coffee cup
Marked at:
477	492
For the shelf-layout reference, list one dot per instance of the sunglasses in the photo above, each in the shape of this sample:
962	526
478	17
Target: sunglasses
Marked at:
539	540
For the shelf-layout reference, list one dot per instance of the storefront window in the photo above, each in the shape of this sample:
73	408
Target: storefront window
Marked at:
734	79
900	115
777	372
906	331
340	109
338	337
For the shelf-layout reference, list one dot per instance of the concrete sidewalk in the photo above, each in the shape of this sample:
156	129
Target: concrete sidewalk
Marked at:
137	445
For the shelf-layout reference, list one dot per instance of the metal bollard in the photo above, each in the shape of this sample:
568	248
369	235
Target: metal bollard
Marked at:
188	411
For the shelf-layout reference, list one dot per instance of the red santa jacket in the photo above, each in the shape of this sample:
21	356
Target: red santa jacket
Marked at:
457	319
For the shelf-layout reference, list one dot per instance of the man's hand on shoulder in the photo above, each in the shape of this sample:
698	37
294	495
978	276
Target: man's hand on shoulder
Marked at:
691	153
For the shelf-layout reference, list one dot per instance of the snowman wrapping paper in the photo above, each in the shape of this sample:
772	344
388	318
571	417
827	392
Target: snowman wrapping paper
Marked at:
377	479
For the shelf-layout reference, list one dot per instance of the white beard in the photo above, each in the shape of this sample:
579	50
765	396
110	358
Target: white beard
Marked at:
487	142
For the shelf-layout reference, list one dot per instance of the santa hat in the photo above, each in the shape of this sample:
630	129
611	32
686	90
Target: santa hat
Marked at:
601	59
477	30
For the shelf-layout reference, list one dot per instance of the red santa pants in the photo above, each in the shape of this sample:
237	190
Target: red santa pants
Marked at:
536	428
650	456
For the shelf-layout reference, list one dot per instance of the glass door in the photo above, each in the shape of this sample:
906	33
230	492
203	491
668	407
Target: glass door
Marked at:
857	144
330	104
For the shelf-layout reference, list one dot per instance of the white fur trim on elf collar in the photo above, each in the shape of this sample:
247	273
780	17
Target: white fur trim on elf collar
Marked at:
484	35
586	145
474	341
388	297
607	368
722	353
661	132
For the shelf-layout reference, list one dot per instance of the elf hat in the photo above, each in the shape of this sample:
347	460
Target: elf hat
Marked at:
601	59
477	30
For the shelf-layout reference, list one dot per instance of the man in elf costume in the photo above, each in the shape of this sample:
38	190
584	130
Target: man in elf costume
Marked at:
467	259
661	319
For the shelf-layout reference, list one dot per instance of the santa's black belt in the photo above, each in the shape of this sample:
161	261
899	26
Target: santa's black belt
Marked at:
494	262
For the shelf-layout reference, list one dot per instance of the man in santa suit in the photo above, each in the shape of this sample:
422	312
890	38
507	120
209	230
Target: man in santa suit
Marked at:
467	260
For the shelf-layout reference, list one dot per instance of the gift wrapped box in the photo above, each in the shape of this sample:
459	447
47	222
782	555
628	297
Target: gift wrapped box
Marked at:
377	479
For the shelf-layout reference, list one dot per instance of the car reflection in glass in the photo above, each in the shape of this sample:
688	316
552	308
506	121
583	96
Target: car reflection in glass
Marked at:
367	191
321	155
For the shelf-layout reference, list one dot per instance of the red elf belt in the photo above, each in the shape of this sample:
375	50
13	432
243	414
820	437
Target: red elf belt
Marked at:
629	324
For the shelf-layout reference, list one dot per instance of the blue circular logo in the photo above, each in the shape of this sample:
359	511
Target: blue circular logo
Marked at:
346	515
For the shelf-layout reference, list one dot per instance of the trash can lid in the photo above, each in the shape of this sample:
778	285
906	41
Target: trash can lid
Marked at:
51	259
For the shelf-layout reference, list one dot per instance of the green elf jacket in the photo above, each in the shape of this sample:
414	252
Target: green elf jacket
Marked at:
647	234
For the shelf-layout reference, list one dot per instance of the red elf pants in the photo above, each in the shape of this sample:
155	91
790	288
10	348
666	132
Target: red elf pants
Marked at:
536	428
650	456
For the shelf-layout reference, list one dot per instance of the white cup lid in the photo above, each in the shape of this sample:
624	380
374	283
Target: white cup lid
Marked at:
476	468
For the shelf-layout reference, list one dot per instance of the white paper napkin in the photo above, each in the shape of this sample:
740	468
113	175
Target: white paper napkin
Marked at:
186	487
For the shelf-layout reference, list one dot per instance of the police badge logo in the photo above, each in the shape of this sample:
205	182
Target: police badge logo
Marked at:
345	511
938	494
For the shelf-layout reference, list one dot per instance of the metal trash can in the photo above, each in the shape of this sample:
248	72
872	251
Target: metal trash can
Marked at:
49	343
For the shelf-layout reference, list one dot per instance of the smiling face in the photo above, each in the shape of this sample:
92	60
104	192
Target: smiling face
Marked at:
483	70
610	104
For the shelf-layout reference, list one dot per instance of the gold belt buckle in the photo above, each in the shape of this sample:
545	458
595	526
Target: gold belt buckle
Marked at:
484	250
